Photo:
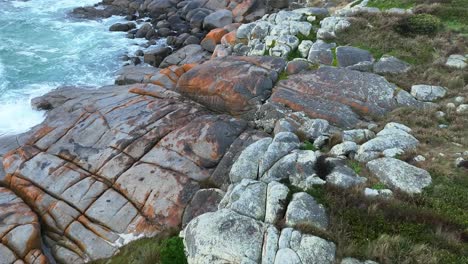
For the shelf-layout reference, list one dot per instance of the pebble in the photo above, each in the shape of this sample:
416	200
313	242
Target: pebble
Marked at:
462	109
419	158
440	114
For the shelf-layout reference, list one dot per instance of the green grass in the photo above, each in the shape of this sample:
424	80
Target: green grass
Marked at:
150	251
404	230
307	145
355	165
283	76
387	4
379	186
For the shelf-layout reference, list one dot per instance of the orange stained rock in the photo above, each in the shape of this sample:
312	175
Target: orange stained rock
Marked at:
189	66
216	34
229	39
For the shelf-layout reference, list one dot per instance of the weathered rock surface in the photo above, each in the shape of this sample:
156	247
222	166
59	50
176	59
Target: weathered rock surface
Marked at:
110	164
192	53
428	93
391	65
234	85
20	231
400	175
304	211
321	94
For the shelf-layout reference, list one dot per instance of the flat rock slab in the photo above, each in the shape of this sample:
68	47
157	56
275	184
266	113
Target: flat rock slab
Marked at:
20	231
343	97
234	85
108	166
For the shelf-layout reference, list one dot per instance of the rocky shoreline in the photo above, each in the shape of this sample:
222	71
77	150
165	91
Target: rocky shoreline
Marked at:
246	108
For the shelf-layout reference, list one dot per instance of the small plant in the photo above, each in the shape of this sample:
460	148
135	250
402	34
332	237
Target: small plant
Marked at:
379	186
283	76
420	24
307	145
355	166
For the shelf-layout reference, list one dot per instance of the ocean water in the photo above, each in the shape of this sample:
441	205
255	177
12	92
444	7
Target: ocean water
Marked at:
42	48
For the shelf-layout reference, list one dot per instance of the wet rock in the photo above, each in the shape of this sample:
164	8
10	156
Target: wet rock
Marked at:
400	175
155	56
192	53
122	27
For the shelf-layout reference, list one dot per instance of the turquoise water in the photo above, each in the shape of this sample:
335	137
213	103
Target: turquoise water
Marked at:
42	48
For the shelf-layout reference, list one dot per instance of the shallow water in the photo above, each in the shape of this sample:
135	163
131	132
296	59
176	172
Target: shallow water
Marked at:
42	48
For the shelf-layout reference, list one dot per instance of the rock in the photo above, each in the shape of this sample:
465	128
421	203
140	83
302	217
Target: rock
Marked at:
394	125
258	50
393	152
406	99
217	19
234	85
133	74
270	245
344	149
419	158
155	56
297	66
462	109
332	25
277	195
347	56
389	138
260	30
314	128
20	231
122	27
320	53
192	53
280	50
287	256
247	198
319	94
343	176
390	65
357	135
143	30
356	261
304	211
315	250
223	236
459	99
246	166
117	162
457	61
304	48
312	11
203	201
400	175
363	66
213	38
427	93
372	193
281	145
289	40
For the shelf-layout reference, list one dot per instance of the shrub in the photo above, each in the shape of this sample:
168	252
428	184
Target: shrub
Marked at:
420	24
